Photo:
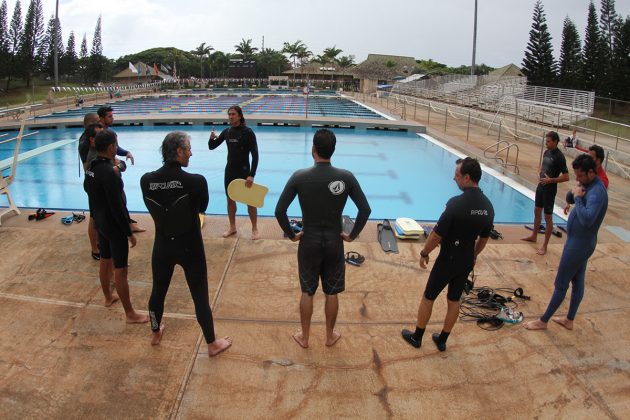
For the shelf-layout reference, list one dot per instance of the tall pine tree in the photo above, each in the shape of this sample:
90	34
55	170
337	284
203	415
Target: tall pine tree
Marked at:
15	39
4	40
70	59
83	60
97	60
539	65
608	21
570	57
47	47
31	38
621	58
592	68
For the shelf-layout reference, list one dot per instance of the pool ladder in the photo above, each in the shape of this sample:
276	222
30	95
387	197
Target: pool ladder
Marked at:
504	162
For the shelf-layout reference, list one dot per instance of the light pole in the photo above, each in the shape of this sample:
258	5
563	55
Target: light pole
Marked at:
472	67
56	41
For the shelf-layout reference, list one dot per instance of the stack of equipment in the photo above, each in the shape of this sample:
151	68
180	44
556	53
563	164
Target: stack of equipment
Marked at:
406	228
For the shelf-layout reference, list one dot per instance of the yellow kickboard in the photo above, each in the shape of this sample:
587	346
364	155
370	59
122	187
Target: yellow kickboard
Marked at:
202	218
253	196
409	226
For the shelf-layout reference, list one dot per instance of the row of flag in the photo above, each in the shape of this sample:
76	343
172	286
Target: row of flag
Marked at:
147	70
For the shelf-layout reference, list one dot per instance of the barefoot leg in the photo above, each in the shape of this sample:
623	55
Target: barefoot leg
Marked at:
217	346
330	341
299	338
565	322
536	324
156	336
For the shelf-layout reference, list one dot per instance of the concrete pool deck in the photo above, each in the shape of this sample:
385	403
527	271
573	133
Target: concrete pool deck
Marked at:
64	355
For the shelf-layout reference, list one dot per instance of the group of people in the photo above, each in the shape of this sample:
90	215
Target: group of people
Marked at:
175	198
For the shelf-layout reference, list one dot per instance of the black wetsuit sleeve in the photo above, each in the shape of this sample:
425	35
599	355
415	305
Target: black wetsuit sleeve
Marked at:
359	199
84	147
121	152
204	198
115	201
253	149
285	200
213	144
443	225
562	165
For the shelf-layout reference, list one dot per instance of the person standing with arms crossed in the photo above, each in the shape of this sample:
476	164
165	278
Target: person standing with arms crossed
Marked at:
553	170
322	191
241	142
175	199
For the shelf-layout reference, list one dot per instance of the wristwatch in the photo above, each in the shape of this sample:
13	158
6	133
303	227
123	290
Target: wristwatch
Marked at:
424	254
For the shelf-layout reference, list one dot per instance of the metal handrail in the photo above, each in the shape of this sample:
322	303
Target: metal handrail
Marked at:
504	163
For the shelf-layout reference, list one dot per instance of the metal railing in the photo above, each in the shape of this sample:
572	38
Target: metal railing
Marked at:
504	162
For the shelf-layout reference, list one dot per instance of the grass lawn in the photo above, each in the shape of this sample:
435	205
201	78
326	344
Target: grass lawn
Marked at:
19	94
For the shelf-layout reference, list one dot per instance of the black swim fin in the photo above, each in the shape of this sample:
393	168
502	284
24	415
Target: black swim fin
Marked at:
347	224
386	237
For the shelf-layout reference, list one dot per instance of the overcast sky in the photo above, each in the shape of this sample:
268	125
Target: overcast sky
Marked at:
438	29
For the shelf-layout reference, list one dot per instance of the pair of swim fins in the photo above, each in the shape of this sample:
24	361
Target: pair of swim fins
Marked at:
386	237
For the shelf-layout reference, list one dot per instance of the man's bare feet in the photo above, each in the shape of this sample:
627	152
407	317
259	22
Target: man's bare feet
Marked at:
542	250
136	318
536	324
217	346
229	233
565	322
255	235
109	302
331	341
137	228
529	238
156	336
299	338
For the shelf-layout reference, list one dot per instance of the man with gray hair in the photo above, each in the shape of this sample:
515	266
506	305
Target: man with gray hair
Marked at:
175	198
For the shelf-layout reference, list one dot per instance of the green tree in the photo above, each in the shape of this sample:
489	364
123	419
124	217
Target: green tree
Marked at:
15	39
245	49
219	63
570	57
46	48
31	38
4	40
331	53
303	55
97	62
203	52
621	58
539	65
607	25
270	62
591	53
294	50
84	60
69	62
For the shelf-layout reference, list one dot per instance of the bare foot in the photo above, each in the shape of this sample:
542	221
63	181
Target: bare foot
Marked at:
229	233
156	336
109	302
542	250
137	228
299	338
565	322
136	318
536	324
331	341
529	238
217	346
255	235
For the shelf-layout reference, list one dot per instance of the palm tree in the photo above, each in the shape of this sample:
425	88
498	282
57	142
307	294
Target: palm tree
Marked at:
345	62
245	48
202	51
303	55
331	53
293	49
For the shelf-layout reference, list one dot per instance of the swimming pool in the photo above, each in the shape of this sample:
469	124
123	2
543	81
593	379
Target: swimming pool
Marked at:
402	174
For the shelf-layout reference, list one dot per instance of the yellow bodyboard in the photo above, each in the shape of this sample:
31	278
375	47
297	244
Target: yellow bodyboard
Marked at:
202	218
253	196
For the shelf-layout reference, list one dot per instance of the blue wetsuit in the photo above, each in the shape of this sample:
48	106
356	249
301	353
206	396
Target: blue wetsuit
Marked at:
584	222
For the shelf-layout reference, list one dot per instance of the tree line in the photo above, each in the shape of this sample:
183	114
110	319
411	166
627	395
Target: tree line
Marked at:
601	63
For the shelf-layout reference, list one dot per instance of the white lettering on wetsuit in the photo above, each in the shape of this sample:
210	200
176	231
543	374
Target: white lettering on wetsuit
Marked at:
479	212
165	185
89	173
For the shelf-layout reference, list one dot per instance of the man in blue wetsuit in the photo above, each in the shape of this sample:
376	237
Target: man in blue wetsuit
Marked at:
241	142
462	233
322	191
175	198
591	203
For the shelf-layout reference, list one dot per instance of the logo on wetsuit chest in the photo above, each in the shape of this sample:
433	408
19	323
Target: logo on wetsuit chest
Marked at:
165	185
337	187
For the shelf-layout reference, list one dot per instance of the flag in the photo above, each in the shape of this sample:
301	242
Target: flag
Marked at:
163	68
147	70
132	68
156	70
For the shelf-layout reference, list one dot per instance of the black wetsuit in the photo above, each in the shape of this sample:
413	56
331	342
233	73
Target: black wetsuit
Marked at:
84	148
241	141
175	198
466	217
322	191
109	210
553	164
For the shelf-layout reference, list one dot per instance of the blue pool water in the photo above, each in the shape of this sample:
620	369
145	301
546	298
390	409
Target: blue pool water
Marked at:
402	174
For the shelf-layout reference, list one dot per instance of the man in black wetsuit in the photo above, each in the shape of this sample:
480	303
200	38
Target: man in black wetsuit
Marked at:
553	170
467	217
107	202
89	119
241	141
322	191
175	198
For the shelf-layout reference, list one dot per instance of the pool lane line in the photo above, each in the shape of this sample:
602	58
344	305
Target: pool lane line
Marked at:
6	163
